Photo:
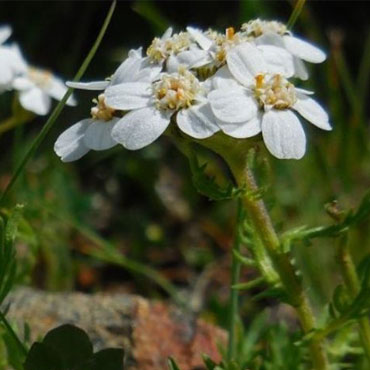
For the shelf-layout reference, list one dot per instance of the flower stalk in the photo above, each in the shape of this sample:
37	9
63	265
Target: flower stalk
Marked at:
234	153
234	293
263	226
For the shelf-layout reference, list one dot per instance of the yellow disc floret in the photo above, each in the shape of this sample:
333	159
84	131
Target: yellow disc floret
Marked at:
176	90
258	27
160	49
274	91
102	111
40	77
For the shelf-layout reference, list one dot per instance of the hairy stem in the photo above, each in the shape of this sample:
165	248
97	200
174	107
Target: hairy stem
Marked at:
352	283
263	226
234	294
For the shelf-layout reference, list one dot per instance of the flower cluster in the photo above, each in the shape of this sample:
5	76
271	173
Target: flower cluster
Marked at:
204	82
35	86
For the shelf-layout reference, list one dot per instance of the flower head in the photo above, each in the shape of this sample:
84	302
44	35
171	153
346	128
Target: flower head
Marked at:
262	100
275	33
36	88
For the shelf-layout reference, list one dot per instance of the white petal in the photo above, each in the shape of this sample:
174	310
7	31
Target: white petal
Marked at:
98	135
232	105
277	60
93	85
167	34
141	127
283	134
312	111
69	145
126	71
189	58
6	75
5	32
197	121
245	61
304	50
242	130
35	100
58	89
270	38
15	57
300	69
128	95
22	83
135	68
303	91
203	41
223	79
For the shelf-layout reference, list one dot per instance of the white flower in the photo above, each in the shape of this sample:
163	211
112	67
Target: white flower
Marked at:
175	50
218	46
36	88
90	133
152	105
11	61
275	33
262	100
96	133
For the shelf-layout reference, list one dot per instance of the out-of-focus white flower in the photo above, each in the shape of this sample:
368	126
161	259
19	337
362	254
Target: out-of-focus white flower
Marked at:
11	61
275	33
263	100
36	88
5	32
152	105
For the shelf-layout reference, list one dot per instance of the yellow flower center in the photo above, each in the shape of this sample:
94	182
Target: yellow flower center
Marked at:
102	111
274	91
258	27
161	49
177	90
223	42
41	78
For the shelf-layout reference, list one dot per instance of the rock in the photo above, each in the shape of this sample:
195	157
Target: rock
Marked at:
149	331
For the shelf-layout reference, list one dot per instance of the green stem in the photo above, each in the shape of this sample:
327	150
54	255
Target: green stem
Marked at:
58	109
263	226
234	294
352	283
295	14
234	152
20	345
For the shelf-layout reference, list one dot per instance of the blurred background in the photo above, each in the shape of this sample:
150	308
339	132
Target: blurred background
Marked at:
121	220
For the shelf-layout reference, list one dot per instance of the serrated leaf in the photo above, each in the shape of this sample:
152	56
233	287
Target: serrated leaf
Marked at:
207	185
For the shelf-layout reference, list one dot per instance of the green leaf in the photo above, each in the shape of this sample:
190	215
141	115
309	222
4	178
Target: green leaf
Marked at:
172	364
207	185
43	357
72	344
210	364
